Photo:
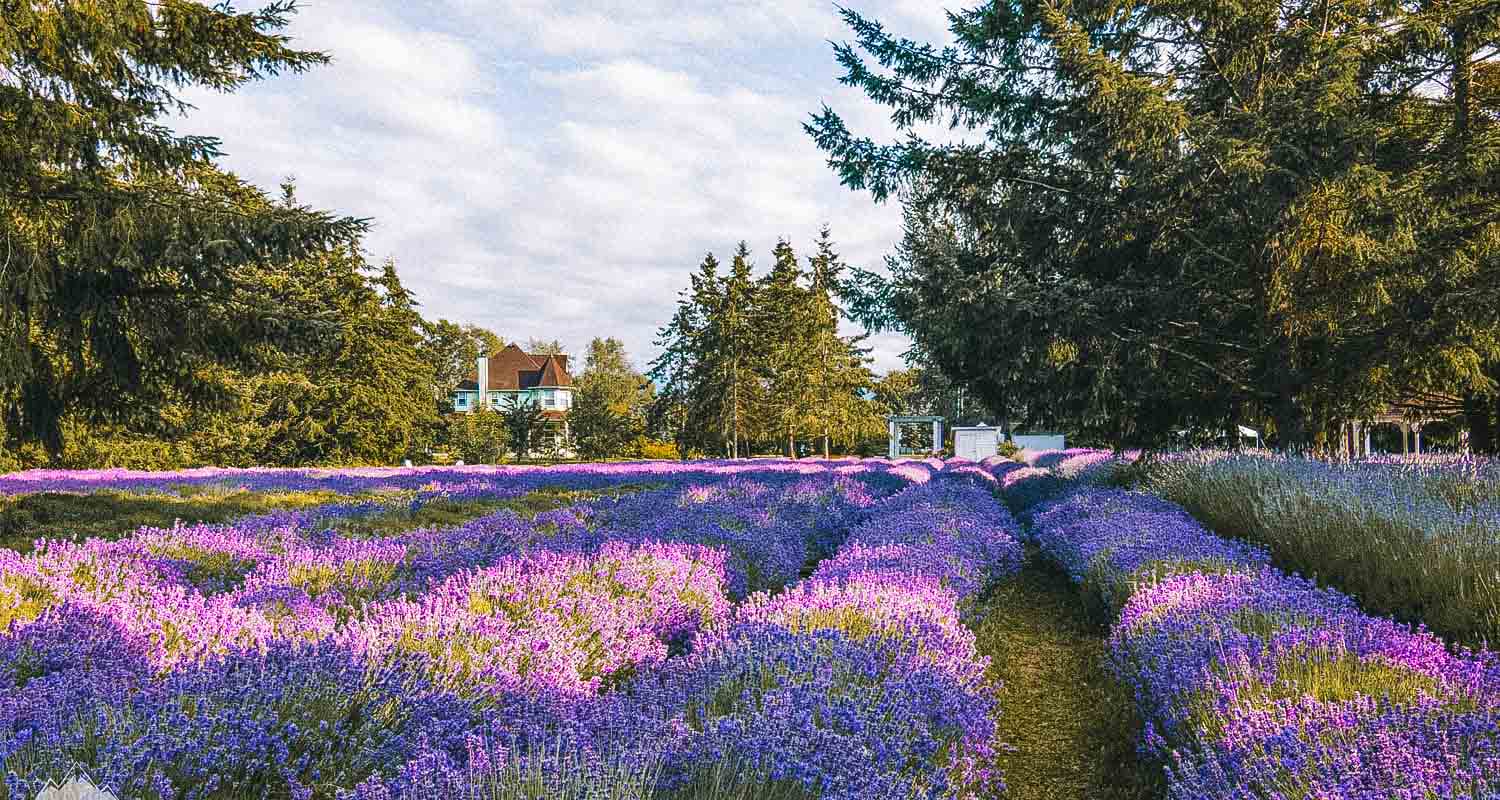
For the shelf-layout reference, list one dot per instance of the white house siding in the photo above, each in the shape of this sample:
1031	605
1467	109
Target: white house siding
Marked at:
561	399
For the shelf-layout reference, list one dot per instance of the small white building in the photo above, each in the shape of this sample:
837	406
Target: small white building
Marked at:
976	442
1040	441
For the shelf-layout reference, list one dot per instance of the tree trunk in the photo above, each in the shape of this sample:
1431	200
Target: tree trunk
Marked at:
734	392
1291	423
1479	415
1463	89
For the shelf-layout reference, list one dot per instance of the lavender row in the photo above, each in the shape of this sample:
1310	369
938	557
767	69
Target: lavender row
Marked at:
896	594
458	481
1419	540
857	682
1259	684
277	657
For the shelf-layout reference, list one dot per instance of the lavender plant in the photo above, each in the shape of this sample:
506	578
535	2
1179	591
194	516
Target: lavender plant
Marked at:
1419	540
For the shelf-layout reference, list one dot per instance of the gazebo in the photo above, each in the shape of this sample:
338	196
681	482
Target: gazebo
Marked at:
1355	436
895	423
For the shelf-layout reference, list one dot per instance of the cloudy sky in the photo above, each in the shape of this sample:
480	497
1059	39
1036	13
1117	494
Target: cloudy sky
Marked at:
556	169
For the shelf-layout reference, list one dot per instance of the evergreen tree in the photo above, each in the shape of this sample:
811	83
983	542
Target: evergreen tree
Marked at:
1190	214
599	431
785	325
733	342
693	381
361	391
125	249
744	360
840	378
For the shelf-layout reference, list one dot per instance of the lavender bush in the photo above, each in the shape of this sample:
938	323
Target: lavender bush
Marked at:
1417	539
1258	684
596	650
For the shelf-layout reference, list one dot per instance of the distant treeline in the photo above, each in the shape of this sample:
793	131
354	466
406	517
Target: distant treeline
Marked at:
753	365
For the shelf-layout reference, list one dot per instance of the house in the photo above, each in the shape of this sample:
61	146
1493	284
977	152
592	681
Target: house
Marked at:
513	375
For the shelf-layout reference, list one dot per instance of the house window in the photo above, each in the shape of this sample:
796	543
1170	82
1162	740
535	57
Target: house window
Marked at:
461	402
549	398
494	399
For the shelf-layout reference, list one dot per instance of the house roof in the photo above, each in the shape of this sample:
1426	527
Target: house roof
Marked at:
513	369
555	372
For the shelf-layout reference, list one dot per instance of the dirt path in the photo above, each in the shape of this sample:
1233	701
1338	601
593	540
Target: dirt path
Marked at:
1072	726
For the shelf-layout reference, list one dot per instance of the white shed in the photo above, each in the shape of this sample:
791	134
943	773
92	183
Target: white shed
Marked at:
1040	441
976	443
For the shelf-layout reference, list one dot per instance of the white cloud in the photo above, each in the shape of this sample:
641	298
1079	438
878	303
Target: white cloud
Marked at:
556	170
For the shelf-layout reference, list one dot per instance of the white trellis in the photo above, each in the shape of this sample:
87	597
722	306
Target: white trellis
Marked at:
894	424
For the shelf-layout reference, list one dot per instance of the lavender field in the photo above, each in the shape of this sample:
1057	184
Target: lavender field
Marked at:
719	631
761	629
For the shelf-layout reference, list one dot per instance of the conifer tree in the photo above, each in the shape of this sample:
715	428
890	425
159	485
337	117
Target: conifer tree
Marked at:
124	246
1190	214
840	377
746	360
690	368
734	341
786	327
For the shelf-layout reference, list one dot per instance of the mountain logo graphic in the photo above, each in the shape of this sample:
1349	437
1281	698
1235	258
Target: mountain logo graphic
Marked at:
79	788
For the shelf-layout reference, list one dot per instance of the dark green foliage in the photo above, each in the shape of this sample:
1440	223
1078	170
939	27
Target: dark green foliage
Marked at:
452	349
125	254
349	385
524	425
611	404
750	362
785	326
360	391
599	432
1174	214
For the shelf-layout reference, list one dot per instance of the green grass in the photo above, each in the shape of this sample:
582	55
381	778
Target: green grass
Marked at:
113	514
1072	727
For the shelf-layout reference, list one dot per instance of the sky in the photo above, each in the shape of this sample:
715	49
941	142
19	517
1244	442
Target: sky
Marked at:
556	170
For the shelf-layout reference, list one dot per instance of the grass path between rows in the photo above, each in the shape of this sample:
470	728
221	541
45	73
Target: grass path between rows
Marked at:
1072	727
